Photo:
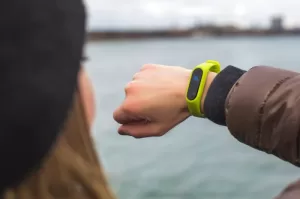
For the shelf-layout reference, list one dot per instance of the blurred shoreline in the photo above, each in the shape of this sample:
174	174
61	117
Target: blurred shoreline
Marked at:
210	30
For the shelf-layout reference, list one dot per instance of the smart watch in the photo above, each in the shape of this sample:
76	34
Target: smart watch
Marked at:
197	84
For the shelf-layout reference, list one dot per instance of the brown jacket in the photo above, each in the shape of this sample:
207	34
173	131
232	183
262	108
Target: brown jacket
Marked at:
263	111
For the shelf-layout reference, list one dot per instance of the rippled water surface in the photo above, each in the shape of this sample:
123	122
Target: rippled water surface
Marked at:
197	159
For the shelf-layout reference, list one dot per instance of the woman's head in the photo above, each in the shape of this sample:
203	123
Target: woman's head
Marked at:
71	169
47	104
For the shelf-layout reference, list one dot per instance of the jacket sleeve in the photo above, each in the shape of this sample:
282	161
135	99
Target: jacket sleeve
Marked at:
262	110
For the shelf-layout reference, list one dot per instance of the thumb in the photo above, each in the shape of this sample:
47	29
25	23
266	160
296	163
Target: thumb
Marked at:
141	130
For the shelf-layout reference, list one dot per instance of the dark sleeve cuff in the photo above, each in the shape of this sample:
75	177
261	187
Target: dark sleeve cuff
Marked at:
214	105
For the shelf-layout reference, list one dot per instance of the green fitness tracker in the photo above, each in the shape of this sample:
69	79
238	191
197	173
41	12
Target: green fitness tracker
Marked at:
196	85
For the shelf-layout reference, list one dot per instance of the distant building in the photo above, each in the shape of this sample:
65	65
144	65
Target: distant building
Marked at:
277	23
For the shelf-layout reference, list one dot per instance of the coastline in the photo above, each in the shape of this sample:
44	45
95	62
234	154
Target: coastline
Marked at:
210	31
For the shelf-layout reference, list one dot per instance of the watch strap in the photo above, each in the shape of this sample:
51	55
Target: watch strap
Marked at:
194	105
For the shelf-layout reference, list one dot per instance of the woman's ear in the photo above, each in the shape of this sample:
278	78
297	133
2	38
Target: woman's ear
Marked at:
87	94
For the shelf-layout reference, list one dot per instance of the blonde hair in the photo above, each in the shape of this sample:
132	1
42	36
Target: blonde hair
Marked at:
71	170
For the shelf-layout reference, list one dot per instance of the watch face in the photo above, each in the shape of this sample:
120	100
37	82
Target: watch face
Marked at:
194	84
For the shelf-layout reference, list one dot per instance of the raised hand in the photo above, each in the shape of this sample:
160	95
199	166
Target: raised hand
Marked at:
155	101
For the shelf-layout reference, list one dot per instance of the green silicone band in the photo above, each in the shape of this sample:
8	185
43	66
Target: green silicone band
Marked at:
194	105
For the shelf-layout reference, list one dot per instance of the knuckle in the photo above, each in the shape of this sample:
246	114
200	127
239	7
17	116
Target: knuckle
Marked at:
131	87
116	116
148	66
128	87
136	76
129	107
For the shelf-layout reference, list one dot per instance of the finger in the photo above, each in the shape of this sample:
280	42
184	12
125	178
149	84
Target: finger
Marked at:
121	116
141	130
124	116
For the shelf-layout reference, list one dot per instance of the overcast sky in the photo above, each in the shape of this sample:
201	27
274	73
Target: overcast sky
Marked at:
166	13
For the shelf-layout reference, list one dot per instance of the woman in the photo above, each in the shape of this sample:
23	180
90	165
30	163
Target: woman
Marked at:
46	104
260	107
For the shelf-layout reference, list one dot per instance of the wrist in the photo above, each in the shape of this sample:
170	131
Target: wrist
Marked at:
183	90
210	78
